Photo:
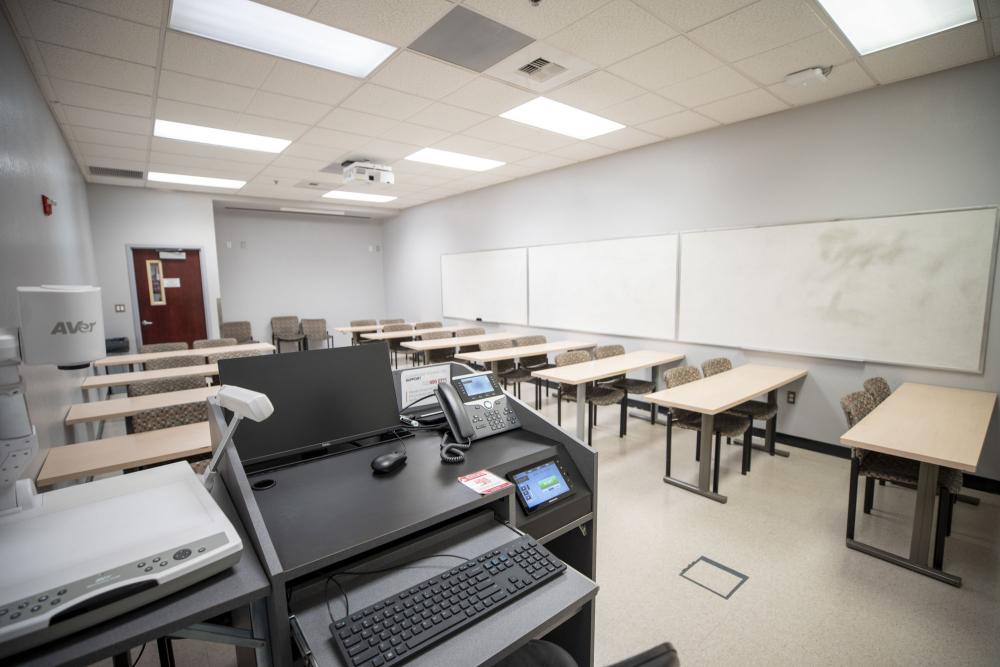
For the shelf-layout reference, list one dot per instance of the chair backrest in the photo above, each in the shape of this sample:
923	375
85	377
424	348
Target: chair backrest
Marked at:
675	377
857	405
471	331
568	359
536	360
525	341
362	323
239	330
878	388
716	365
286	324
434	335
397	320
397	327
604	351
506	364
427	325
438	356
173	362
315	328
213	342
163	347
175	415
214	358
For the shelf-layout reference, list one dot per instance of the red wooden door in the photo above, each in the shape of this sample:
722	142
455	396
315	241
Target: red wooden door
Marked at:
171	301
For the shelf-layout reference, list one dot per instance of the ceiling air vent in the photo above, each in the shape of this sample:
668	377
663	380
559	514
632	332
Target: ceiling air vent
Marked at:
541	69
116	173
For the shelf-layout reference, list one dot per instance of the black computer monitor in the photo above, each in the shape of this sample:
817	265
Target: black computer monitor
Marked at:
320	397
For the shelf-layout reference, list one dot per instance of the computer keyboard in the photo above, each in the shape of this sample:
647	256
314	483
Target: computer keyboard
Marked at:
395	629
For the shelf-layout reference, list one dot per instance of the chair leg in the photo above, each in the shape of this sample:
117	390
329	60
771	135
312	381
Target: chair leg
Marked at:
869	494
669	436
697	446
951	515
940	532
590	431
746	449
622	420
852	498
559	406
718	452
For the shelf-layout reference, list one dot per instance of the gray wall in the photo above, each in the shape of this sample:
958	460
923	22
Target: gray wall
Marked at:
35	249
124	216
285	264
928	143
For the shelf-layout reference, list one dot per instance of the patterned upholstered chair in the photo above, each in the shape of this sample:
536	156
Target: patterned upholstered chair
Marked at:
755	410
427	325
438	356
215	358
878	388
163	347
503	368
316	330
213	342
396	344
173	362
239	330
395	320
286	329
596	395
724	424
626	384
877	466
527	365
356	338
470	331
175	415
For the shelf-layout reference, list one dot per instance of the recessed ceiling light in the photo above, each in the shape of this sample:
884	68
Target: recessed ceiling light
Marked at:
168	129
358	196
561	118
268	30
204	181
874	25
320	211
455	160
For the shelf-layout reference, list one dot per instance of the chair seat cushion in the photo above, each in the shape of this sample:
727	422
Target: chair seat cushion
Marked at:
725	424
905	471
635	386
757	410
289	336
604	395
516	375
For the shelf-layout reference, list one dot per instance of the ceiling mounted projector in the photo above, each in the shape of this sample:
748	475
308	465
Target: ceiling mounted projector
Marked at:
368	172
808	77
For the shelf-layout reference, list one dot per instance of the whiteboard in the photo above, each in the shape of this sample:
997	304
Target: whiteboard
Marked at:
625	286
491	285
911	290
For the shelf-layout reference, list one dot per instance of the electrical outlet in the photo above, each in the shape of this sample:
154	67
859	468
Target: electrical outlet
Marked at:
119	307
229	245
791	397
243	245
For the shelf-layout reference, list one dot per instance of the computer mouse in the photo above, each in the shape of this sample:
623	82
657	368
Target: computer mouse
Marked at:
387	463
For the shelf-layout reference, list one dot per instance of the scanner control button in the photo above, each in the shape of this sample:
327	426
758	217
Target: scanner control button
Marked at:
181	554
487	404
62	591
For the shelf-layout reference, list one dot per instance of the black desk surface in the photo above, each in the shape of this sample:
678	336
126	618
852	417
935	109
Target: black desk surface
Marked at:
331	509
226	591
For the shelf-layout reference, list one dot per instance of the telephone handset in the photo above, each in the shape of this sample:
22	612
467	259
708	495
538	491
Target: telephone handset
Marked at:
475	407
454	411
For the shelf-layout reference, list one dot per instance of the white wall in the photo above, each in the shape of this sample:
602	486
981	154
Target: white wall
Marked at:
924	144
123	216
285	264
35	249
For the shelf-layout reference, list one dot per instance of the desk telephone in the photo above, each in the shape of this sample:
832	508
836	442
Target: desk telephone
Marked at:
475	407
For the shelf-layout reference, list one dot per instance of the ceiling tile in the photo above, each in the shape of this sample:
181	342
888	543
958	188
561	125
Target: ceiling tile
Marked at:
817	50
112	152
348	120
545	161
640	109
220	153
459	143
66	25
581	150
105	120
215	60
319	136
298	7
241	170
596	91
843	79
760	27
689	14
397	22
549	17
488	96
385	102
95	97
678	124
74	65
124	182
930	54
507	153
382	151
302	149
19	20
150	12
447	117
297	162
625	138
665	64
515	134
415	134
309	83
204	92
714	85
421	75
286	108
613	32
195	114
270	127
757	102
108	138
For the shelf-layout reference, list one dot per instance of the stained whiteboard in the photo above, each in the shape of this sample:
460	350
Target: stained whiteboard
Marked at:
911	290
490	285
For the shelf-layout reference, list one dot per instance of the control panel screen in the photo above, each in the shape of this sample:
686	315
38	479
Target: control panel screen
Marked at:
540	485
477	385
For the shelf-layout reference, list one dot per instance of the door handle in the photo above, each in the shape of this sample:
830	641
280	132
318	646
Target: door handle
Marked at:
146	323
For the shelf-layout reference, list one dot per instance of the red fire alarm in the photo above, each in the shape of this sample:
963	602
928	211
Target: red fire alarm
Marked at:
47	205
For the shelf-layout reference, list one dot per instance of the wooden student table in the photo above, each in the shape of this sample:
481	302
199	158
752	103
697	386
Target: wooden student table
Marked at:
590	371
937	426
407	333
358	329
509	353
460	341
718	393
122	379
126	407
143	357
96	457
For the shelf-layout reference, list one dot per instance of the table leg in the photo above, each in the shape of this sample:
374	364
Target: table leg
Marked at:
581	410
769	432
703	487
923	514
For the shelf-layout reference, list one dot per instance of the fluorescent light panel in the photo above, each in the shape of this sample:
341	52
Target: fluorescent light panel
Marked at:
268	30
203	181
873	25
320	211
168	129
454	160
358	196
561	119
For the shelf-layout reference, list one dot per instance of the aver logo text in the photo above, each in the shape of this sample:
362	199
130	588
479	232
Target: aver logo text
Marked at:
73	327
